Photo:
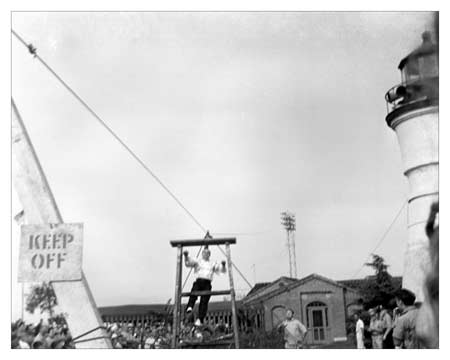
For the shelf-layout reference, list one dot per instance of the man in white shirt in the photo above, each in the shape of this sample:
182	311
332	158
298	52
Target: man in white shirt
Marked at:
359	330
204	269
294	331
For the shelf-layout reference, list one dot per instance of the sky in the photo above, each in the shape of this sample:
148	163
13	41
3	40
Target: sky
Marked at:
241	115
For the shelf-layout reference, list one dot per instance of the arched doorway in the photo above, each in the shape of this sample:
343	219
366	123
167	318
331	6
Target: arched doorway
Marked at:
317	322
278	315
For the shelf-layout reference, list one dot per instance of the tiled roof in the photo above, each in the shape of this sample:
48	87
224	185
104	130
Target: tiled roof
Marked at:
352	284
293	283
258	286
358	284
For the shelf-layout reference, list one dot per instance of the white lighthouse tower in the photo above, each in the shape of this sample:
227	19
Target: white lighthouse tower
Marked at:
413	109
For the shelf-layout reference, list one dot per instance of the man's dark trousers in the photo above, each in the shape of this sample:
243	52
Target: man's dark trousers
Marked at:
200	285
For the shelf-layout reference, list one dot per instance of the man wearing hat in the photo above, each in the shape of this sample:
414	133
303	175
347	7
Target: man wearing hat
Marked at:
204	269
405	324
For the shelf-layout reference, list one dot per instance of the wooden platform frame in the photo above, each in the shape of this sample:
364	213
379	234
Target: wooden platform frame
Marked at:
180	244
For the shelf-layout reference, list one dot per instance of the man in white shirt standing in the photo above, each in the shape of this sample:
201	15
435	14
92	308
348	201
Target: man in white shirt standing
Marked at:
204	269
294	331
359	330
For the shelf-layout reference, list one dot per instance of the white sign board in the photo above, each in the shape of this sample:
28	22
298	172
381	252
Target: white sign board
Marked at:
50	252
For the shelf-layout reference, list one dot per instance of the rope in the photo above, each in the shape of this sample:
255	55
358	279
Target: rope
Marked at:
33	51
88	332
237	269
254	233
92	339
383	237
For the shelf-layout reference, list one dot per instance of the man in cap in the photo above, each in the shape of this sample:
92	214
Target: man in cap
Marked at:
204	269
405	325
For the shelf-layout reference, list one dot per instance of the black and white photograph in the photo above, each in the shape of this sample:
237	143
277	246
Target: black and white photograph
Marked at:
224	180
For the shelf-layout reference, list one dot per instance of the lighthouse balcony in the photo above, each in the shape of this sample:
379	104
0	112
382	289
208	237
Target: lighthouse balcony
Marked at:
412	94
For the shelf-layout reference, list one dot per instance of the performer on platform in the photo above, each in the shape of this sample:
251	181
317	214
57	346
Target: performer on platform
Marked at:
204	269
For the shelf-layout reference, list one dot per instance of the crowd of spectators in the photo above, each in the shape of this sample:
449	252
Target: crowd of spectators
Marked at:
43	335
128	336
157	335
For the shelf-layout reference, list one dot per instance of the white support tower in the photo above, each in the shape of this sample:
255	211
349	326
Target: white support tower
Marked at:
413	110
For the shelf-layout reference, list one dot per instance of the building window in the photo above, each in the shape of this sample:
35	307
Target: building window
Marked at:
278	315
411	70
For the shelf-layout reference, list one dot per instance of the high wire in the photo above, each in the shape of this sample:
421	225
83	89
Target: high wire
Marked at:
93	113
383	237
33	51
254	233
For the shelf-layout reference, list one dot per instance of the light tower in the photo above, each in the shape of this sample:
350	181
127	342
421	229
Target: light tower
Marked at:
288	221
413	108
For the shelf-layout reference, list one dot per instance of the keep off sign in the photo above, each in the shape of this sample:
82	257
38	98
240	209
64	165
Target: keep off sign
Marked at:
50	252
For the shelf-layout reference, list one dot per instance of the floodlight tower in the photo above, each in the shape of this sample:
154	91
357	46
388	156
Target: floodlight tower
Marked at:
413	108
288	221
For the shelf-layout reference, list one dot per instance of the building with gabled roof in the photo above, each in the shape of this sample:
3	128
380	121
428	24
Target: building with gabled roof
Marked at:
321	304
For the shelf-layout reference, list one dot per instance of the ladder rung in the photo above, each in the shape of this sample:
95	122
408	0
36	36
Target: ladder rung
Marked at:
202	242
207	343
211	293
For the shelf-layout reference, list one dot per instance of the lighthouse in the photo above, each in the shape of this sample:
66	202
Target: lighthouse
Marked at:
413	110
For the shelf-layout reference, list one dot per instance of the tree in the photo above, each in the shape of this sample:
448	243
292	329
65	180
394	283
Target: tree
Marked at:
378	289
43	297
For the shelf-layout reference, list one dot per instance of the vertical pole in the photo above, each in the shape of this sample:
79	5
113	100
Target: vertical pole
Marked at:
294	258
233	297
23	300
74	297
177	305
289	253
